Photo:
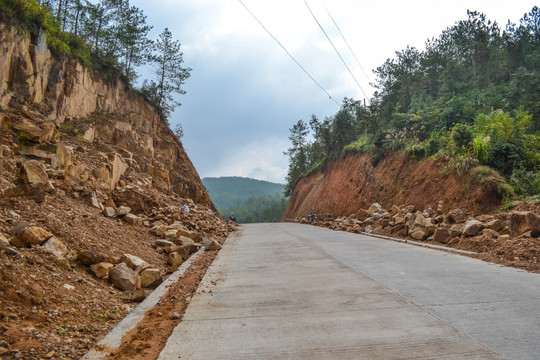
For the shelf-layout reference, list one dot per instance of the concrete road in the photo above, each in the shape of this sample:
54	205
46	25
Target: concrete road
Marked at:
289	291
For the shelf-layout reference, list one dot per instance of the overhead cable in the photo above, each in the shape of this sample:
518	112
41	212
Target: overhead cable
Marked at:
288	53
346	42
337	52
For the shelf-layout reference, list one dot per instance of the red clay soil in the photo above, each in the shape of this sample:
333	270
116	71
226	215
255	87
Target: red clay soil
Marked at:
358	181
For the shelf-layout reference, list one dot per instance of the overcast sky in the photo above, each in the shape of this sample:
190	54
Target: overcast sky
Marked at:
245	92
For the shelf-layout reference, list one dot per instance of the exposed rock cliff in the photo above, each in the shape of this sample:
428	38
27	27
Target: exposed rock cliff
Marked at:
40	95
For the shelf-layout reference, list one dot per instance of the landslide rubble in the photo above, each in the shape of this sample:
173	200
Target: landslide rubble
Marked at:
511	238
98	202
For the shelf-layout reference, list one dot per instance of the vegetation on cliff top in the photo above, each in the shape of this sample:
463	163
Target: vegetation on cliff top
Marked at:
473	94
110	36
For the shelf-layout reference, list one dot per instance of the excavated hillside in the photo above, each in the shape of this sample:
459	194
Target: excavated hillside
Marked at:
99	203
425	201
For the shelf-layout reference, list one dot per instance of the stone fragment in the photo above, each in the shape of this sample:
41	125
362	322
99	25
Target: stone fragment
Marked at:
119	167
504	238
102	269
11	251
55	247
175	260
362	214
122	211
134	262
442	235
4	241
34	235
211	244
158	230
495	225
109	212
87	257
375	208
395	210
456	216
418	235
456	230
133	219
95	201
151	278
124	278
490	233
171	235
164	243
33	172
472	228
183	240
63	158
440	208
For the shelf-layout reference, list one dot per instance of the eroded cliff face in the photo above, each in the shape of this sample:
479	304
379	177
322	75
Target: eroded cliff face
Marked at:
42	98
357	181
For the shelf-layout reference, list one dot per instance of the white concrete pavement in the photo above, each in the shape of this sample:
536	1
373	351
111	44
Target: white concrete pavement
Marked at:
289	291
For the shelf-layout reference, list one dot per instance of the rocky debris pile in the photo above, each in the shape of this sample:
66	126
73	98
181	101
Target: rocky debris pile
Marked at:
81	238
511	238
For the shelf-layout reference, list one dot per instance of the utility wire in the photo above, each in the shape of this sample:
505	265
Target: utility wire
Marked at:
346	42
288	53
337	52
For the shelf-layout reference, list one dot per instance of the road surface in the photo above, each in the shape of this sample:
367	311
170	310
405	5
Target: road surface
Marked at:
290	291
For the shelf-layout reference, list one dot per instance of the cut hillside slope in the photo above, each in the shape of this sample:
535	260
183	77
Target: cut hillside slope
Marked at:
423	202
357	181
92	189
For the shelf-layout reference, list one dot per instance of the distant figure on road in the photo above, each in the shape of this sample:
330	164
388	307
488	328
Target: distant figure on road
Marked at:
311	217
232	218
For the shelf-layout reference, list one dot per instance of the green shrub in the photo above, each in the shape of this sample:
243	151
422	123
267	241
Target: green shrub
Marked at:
525	183
481	148
363	144
462	135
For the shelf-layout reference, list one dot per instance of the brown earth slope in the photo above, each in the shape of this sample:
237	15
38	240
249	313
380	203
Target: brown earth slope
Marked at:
91	179
357	181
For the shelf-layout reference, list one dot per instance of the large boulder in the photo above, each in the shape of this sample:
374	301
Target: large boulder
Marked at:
134	262
33	235
375	208
102	269
124	278
33	172
472	228
442	235
175	259
151	278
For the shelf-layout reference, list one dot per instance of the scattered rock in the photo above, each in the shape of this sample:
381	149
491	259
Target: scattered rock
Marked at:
33	172
4	241
164	243
442	235
33	235
175	316
88	258
175	260
151	278
102	269
109	212
210	244
122	211
124	278
472	228
133	219
55	247
134	263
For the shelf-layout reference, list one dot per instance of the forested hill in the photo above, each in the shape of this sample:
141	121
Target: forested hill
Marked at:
471	96
231	190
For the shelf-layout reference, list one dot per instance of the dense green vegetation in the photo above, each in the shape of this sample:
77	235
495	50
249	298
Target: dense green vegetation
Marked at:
262	209
110	36
473	95
249	200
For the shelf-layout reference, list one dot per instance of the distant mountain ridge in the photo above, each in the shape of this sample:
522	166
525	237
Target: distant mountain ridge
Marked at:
227	191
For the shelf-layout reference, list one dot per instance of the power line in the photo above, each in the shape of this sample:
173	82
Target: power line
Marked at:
337	52
288	53
346	42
